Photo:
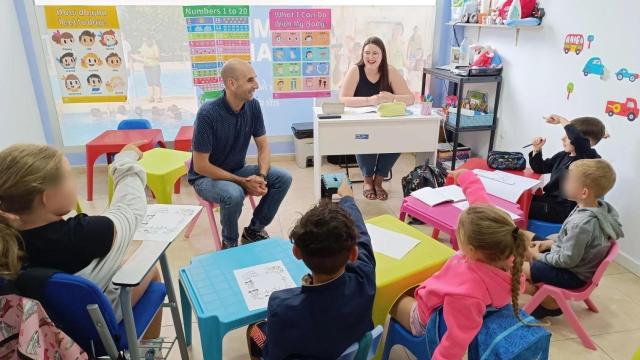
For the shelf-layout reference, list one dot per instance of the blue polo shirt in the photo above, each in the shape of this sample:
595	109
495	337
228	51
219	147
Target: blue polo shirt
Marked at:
225	134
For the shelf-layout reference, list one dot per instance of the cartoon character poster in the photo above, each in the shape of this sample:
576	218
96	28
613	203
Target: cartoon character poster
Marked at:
87	48
216	34
300	40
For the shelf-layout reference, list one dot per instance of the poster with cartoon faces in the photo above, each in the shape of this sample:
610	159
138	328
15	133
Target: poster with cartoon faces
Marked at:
88	60
300	40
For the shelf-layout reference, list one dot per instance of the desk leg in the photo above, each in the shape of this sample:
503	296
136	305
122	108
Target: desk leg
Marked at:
91	160
175	313
186	313
317	162
162	191
211	339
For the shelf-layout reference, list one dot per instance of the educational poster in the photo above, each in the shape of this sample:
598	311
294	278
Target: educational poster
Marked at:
300	41
86	44
216	34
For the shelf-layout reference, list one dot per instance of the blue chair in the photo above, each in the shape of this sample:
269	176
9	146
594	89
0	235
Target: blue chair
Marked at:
79	308
398	335
366	348
134	124
543	228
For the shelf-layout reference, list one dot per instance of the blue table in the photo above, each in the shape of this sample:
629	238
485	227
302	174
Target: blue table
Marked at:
208	287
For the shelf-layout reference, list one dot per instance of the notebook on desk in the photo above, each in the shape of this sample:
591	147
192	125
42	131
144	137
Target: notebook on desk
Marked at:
433	197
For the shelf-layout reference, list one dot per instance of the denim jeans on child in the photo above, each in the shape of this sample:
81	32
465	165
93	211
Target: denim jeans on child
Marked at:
230	196
376	164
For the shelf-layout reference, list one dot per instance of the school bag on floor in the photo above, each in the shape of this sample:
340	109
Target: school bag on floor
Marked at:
423	176
501	337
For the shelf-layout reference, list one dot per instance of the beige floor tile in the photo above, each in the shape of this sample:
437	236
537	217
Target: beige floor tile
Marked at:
620	345
614	269
573	349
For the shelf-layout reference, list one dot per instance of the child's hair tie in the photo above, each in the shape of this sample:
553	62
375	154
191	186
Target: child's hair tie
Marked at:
514	233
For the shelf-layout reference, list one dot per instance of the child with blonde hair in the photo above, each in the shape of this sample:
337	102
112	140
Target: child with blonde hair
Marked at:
37	190
487	272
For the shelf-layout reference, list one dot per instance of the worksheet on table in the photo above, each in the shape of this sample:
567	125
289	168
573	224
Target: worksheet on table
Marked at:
360	110
258	282
390	243
165	222
504	185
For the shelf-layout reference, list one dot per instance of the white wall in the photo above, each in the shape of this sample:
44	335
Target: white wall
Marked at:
20	119
535	78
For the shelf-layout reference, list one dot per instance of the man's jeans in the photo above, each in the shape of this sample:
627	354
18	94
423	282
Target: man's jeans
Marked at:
230	196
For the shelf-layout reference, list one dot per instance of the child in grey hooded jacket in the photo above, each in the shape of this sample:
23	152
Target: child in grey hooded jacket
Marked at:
585	238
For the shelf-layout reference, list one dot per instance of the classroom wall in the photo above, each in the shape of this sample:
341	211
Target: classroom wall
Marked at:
20	117
536	74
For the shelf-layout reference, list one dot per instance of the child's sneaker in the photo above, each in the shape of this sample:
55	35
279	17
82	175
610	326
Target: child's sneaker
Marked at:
152	348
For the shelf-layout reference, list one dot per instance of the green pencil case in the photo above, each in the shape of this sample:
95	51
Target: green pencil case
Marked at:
392	109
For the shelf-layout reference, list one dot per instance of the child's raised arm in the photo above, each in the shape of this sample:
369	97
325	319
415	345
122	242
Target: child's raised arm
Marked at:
472	187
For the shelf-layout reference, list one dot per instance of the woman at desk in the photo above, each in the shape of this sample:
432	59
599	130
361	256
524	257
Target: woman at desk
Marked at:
370	82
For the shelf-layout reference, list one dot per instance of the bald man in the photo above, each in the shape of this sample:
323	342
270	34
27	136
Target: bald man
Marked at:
223	129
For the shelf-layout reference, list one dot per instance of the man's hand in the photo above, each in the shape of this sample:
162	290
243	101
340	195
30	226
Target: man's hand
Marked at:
534	250
345	188
255	185
134	147
385	97
538	143
556	120
456	173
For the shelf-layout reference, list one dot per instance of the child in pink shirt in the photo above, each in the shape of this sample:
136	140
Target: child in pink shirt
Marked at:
486	272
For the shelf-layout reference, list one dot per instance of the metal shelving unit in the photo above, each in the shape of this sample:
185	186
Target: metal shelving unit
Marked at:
460	82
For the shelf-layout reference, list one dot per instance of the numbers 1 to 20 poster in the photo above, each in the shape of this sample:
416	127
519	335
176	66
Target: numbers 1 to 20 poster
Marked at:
87	47
216	34
300	40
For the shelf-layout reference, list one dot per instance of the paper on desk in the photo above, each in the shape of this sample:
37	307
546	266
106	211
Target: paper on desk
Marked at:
433	197
360	110
505	185
165	222
390	243
463	205
258	282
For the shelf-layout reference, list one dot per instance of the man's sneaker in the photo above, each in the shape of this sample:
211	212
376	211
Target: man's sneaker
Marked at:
250	236
226	245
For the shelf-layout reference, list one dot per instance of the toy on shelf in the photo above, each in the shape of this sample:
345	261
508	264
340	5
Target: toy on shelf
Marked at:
628	108
485	57
624	73
515	13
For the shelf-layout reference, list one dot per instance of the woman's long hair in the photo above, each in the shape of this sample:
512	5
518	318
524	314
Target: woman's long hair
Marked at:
383	69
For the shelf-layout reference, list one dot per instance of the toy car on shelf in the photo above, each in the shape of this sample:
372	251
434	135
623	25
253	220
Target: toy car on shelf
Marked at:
594	66
628	108
624	73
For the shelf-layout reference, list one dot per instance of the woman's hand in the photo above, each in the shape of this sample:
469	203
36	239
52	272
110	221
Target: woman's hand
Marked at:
373	100
386	97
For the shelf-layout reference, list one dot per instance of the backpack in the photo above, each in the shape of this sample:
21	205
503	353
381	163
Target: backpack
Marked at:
501	337
504	160
423	176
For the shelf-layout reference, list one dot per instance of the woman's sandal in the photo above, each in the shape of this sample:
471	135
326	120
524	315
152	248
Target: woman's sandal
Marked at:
381	194
369	194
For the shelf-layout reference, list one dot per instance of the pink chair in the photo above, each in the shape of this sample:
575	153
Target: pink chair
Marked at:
209	207
563	296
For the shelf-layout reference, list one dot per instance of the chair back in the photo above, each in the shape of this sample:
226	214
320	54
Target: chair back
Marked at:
371	341
613	251
134	124
66	298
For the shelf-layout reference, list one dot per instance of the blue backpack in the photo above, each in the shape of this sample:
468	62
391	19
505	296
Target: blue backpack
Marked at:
501	337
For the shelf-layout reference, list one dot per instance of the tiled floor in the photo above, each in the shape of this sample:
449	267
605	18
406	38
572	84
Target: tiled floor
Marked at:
616	329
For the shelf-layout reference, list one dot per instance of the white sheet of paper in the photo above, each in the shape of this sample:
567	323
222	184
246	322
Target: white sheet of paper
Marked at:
258	282
390	243
505	185
463	205
433	197
165	222
360	110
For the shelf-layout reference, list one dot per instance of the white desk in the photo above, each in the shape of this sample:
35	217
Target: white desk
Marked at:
371	134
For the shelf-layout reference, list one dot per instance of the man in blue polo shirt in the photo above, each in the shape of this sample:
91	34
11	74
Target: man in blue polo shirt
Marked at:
223	129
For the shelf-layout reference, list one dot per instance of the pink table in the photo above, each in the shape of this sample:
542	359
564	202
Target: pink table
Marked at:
112	141
444	217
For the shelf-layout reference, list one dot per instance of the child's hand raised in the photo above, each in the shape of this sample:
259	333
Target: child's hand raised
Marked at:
538	143
134	148
556	120
345	188
456	173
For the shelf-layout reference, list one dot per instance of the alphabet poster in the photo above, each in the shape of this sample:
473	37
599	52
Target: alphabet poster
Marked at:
87	47
216	34
300	40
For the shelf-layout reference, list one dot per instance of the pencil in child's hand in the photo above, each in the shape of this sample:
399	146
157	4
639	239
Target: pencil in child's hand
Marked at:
526	146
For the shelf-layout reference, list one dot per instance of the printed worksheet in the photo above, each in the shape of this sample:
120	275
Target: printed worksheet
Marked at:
165	222
258	282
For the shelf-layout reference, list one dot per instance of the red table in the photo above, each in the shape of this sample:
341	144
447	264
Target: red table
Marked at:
444	217
525	199
184	138
112	141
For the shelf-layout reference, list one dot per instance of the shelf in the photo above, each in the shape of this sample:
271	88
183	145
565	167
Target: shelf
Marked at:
481	26
448	75
468	128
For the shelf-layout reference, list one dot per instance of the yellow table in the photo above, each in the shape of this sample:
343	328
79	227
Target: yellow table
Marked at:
163	167
394	277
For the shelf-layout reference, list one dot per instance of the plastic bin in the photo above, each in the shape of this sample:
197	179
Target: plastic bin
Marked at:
470	121
303	143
